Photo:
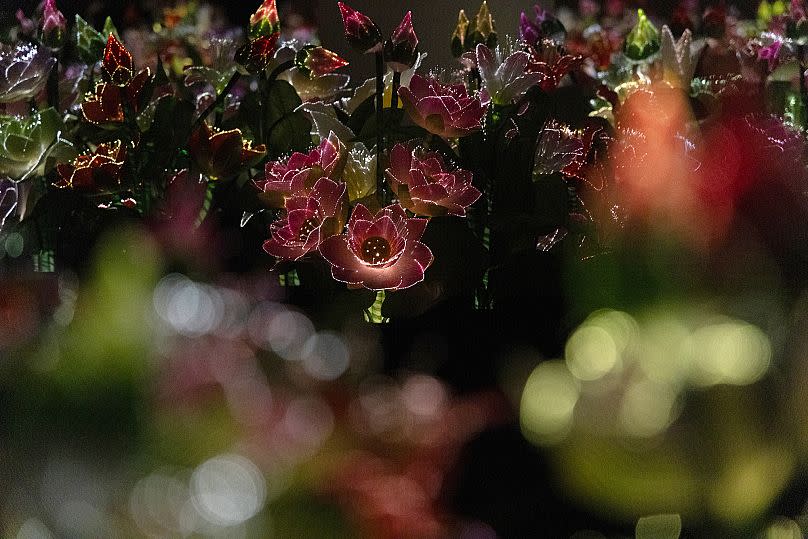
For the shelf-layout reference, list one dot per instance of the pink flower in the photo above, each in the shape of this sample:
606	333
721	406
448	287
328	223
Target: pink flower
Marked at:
309	220
425	186
379	252
401	50
54	25
445	110
298	174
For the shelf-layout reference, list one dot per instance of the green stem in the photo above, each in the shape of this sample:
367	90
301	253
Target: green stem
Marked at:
380	187
396	86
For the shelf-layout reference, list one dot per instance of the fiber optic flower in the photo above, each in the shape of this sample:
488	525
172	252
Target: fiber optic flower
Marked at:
426	186
222	154
314	61
379	252
445	110
643	40
544	26
360	31
677	62
483	30
256	55
298	174
552	62
401	50
506	80
24	70
265	20
54	25
309	220
122	88
98	171
23	141
460	34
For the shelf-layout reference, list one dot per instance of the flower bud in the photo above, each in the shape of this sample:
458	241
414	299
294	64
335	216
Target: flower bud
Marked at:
483	29
401	50
265	21
314	61
360	31
54	25
459	35
255	55
643	40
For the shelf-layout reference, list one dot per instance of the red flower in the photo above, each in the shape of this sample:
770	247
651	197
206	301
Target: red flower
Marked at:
309	220
99	171
121	89
299	172
255	55
425	186
401	50
315	61
552	61
360	31
445	110
222	154
380	252
265	20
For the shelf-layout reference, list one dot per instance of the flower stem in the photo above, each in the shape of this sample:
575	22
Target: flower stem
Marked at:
380	187
396	86
219	99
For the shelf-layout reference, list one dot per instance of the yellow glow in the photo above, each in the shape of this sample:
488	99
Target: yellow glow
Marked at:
548	403
730	352
591	353
647	408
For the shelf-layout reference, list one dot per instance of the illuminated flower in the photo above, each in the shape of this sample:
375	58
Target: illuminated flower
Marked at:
771	53
265	20
323	88
299	173
552	62
401	50
309	220
314	61
359	173
24	70
24	141
643	40
544	26
222	154
379	252
483	29
506	80
255	55
54	25
426	186
445	110
677	62
460	34
98	171
360	31
122	88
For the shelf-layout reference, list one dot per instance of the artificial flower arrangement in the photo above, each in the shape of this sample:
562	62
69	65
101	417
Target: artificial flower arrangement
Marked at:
516	142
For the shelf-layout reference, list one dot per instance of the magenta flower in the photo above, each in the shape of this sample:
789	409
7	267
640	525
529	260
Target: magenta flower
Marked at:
309	220
401	50
771	53
445	110
425	186
297	175
544	26
379	252
54	25
360	31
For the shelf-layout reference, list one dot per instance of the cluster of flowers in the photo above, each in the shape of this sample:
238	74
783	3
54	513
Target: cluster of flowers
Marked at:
94	123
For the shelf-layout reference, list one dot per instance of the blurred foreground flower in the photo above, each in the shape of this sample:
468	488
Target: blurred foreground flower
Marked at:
380	252
444	110
222	154
24	141
24	70
309	220
426	186
98	171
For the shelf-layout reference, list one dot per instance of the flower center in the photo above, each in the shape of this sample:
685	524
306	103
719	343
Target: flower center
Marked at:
375	250
307	227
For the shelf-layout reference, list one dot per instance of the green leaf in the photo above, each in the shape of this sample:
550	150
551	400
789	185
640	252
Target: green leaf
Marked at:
659	527
89	41
290	133
109	28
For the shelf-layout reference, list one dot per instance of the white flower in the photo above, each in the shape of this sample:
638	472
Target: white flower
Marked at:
678	58
505	79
